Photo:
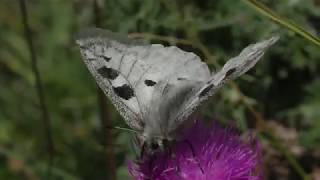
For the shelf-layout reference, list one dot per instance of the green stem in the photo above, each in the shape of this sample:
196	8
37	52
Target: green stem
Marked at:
269	13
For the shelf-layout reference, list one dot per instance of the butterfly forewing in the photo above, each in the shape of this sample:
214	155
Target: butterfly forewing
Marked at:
138	77
103	56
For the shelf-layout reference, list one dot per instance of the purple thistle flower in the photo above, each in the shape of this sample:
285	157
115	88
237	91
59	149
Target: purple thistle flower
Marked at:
208	153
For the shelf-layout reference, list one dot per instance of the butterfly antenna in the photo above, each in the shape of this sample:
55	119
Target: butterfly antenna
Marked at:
123	129
126	129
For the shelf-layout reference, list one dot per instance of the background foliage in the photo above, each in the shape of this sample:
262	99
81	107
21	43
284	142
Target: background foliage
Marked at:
284	88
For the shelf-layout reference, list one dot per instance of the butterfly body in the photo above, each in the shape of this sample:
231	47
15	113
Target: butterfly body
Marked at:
156	88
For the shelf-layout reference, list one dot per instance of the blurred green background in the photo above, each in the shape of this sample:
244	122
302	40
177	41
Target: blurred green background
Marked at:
281	93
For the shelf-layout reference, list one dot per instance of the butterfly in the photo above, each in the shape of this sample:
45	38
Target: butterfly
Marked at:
156	88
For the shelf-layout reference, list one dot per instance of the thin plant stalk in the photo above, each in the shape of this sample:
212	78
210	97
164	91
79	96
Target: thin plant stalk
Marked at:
269	13
104	109
39	87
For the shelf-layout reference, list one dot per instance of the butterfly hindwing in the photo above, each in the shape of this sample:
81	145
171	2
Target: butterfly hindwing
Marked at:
234	68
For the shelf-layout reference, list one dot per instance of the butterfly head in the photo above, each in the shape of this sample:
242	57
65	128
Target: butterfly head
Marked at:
155	144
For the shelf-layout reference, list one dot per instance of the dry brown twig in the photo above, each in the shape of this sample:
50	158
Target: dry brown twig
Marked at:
105	118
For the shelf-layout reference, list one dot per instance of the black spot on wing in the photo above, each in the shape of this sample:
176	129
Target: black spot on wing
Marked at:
108	73
83	47
91	59
206	90
106	58
149	82
181	78
229	72
124	91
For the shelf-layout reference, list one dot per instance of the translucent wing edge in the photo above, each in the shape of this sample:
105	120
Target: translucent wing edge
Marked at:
103	34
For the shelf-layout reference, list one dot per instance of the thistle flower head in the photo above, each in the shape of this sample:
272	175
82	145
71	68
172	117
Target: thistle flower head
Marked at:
207	153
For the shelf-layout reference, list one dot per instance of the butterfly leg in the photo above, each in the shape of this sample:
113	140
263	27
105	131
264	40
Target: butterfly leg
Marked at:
143	150
194	155
150	164
175	159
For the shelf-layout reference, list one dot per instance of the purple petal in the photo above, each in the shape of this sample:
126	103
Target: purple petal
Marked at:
206	153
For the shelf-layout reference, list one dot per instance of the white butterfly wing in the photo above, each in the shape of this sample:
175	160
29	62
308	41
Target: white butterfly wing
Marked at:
234	68
103	56
140	79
